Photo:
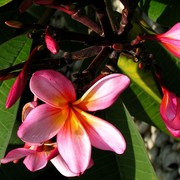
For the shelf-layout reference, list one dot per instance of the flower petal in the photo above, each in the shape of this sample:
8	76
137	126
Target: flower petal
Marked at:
170	110
42	123
16	154
174	49
170	40
173	33
62	167
103	93
175	133
52	87
36	161
74	144
102	134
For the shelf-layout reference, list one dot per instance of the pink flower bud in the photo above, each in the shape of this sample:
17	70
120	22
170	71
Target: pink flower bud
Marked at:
51	43
20	82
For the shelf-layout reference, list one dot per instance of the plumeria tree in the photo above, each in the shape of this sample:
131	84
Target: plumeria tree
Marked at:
71	92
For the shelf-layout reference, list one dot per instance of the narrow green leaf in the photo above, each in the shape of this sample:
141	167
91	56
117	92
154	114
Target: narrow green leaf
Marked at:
12	52
134	163
4	2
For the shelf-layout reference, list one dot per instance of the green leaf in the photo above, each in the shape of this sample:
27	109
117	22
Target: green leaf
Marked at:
133	164
12	52
165	12
4	2
143	98
143	78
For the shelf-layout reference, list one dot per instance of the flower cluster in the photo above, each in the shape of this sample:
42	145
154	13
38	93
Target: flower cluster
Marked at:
60	125
65	119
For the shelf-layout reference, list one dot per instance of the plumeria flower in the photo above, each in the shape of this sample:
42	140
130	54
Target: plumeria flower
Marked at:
36	157
170	40
170	112
66	117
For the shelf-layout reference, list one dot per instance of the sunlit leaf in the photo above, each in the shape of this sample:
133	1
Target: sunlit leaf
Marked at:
4	2
143	99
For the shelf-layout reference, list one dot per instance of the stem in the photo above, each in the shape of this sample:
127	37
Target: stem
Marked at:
100	8
124	21
111	15
83	54
97	61
80	17
4	72
45	18
62	35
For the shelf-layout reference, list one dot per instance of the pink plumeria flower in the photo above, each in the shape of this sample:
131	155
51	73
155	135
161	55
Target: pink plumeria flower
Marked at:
170	112
170	40
67	118
35	156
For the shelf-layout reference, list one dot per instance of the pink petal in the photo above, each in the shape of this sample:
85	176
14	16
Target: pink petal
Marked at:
170	39
42	123
168	105
36	161
173	33
103	93
102	134
52	87
74	144
170	110
62	167
175	50
16	154
27	108
175	133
